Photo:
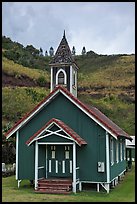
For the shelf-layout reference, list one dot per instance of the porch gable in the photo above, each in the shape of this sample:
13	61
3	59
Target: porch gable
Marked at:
58	128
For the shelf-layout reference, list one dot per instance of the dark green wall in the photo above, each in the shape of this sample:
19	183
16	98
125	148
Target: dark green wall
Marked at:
87	155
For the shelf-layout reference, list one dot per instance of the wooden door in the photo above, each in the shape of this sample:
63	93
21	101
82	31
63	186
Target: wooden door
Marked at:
59	161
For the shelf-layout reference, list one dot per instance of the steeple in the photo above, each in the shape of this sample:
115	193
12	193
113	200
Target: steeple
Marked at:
64	68
64	34
63	54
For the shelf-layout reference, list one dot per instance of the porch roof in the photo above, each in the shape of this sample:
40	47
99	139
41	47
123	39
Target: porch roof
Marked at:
63	126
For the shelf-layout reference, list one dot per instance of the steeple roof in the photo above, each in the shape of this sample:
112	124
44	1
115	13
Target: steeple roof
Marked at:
63	54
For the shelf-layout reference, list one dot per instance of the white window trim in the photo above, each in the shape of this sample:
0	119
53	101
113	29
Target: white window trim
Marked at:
65	76
121	152
112	151
124	150
117	151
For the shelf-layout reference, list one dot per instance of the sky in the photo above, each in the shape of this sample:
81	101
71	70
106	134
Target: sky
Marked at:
103	27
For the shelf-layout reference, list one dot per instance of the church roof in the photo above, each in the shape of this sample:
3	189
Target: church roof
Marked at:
63	126
92	112
63	54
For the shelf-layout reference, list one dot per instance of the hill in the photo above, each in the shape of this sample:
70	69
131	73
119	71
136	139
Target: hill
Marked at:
105	81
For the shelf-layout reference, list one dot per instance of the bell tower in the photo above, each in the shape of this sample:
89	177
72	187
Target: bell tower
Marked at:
64	68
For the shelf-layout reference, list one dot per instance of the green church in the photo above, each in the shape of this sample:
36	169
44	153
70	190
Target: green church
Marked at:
63	144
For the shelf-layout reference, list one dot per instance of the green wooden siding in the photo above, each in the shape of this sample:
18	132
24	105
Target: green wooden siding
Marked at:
87	155
119	167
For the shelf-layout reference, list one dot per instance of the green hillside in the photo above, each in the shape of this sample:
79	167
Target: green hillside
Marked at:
106	81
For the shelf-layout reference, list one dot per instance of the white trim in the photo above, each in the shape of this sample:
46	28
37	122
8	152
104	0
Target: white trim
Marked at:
65	76
71	75
55	143
49	166
74	167
107	158
41	167
47	101
121	151
117	151
36	165
56	166
70	166
63	166
38	138
117	176
52	132
51	82
19	183
46	160
111	150
97	187
17	153
89	115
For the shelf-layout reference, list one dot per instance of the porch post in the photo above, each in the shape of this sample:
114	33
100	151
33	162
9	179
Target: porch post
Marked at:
17	152
74	167
107	161
36	164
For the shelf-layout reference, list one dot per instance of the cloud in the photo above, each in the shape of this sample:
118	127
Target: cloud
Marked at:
104	27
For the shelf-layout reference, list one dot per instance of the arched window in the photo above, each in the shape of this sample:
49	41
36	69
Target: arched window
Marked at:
61	77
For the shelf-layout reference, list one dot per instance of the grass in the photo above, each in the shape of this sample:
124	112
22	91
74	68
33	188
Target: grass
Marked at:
124	192
17	101
16	70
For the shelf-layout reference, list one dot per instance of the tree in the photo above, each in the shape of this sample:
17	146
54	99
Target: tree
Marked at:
46	53
32	50
51	51
73	51
83	51
40	52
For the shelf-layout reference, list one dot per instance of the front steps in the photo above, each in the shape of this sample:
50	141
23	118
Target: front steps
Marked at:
54	186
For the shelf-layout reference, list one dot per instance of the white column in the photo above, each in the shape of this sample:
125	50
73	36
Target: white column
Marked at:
74	167
76	84
36	164
51	81
46	162
17	153
71	75
97	187
107	161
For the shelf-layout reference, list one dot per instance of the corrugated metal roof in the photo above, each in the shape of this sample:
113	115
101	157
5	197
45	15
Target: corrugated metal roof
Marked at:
100	117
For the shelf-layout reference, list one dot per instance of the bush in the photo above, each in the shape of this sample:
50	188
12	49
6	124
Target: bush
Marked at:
41	81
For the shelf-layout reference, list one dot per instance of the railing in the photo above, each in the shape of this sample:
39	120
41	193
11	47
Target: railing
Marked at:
77	175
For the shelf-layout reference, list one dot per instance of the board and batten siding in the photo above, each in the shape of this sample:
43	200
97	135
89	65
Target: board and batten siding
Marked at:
87	155
117	167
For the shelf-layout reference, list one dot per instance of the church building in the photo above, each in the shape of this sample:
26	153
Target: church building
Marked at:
63	143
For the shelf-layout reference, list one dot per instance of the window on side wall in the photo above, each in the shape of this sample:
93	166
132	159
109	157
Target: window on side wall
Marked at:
117	151
112	151
121	153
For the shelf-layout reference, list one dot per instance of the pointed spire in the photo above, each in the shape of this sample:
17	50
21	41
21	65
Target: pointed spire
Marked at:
64	34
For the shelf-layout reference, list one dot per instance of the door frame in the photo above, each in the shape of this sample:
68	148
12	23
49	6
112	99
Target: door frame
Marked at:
56	143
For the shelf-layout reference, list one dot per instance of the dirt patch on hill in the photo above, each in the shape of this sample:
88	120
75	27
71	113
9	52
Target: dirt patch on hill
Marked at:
9	80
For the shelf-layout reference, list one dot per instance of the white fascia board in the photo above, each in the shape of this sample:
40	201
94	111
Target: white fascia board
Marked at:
30	116
37	138
93	118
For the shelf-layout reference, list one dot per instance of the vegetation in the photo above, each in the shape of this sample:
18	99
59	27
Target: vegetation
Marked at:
104	81
17	71
27	56
124	192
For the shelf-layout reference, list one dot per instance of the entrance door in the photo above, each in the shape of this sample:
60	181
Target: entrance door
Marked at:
59	161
